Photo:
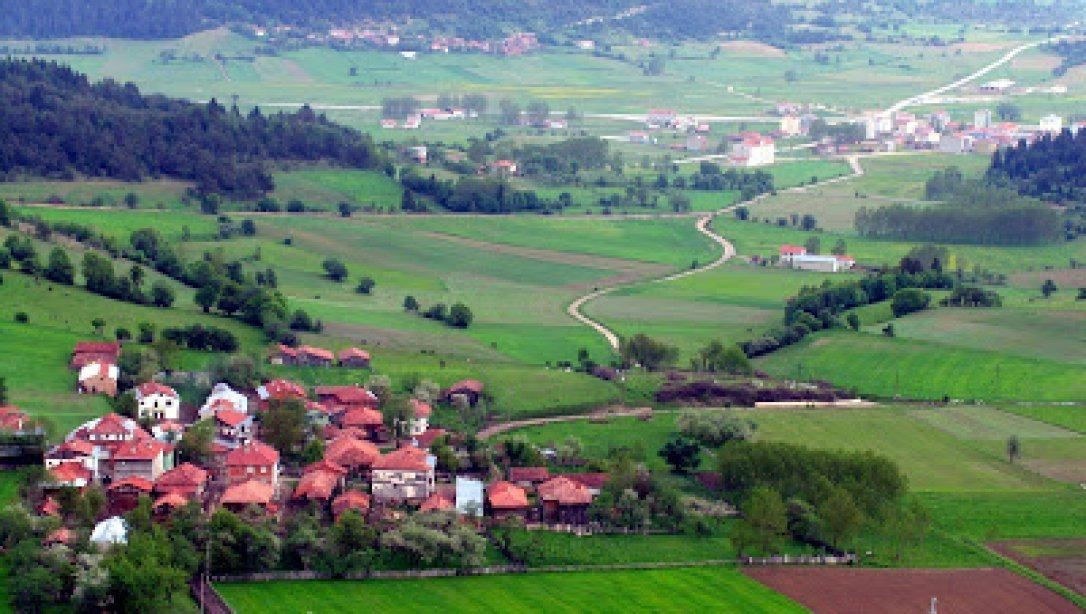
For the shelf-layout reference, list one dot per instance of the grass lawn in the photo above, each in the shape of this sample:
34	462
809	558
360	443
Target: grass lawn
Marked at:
876	365
327	187
717	589
566	549
1071	417
598	438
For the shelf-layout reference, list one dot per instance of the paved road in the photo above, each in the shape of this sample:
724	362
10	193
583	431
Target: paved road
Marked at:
1007	57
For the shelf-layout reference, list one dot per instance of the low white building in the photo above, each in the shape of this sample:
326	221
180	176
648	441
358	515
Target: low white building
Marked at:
753	149
158	401
1051	123
982	118
791	125
796	257
113	530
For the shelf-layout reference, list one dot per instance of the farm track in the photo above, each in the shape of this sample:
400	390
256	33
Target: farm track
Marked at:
702	224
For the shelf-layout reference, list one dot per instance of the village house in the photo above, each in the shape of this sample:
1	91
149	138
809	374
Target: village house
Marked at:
752	149
239	496
529	478
253	461
426	438
223	397
166	504
320	481
355	358
123	496
506	500
1051	123
302	356
87	352
279	390
420	420
437	502
503	168
791	125
93	444
339	398
955	143
75	451
168	431
98	378
186	480
593	481
355	455
388	123
353	500
16	422
157	401
144	458
70	474
796	257
233	428
406	474
471	390
368	421
638	137
564	501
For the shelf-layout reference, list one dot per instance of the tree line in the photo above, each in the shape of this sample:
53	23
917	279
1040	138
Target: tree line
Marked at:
55	123
471	195
1052	168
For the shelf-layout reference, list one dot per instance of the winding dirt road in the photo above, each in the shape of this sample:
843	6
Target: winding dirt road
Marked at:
703	224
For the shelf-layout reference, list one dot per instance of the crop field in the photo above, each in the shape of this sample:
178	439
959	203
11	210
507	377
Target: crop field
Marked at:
900	591
876	365
329	187
1072	417
717	589
1061	560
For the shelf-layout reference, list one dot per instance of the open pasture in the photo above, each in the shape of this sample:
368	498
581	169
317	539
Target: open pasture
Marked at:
717	589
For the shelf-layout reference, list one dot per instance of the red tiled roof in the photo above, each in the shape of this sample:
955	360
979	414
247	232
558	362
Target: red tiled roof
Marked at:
361	417
170	425
347	395
427	437
791	250
148	388
422	410
230	417
49	507
286	350
351	452
594	481
97	347
437	502
75	446
222	403
12	419
251	492
407	458
350	353
140	450
845	258
565	491
316	352
316	485
69	473
172	499
63	535
255	454
111	424
468	385
132	482
506	495
185	475
351	500
284	389
528	474
324	465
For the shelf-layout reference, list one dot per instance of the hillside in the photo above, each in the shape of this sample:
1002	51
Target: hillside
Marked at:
55	123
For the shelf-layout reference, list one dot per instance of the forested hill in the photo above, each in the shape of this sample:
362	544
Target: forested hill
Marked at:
55	123
1052	168
174	18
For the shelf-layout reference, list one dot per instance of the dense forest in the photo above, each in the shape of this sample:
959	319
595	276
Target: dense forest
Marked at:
55	123
154	19
1073	54
1051	168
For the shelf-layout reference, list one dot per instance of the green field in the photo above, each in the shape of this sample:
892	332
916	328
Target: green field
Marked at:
1071	417
876	365
565	549
716	589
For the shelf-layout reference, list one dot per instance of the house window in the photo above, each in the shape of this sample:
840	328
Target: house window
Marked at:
248	470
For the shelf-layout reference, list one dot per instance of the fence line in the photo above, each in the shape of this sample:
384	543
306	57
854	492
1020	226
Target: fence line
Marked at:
269	576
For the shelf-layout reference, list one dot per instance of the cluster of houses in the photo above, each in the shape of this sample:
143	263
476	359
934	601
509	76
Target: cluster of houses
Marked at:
308	356
96	364
796	257
437	114
365	467
390	36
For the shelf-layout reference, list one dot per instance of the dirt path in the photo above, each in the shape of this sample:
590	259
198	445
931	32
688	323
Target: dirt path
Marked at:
703	224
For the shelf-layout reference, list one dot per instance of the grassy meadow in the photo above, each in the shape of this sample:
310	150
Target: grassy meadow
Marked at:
719	589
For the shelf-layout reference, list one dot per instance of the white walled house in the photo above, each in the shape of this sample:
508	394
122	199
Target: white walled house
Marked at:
1051	123
753	149
158	401
224	397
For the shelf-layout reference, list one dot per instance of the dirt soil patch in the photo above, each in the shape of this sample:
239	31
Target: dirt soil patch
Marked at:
1068	279
871	591
1060	560
751	48
976	47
